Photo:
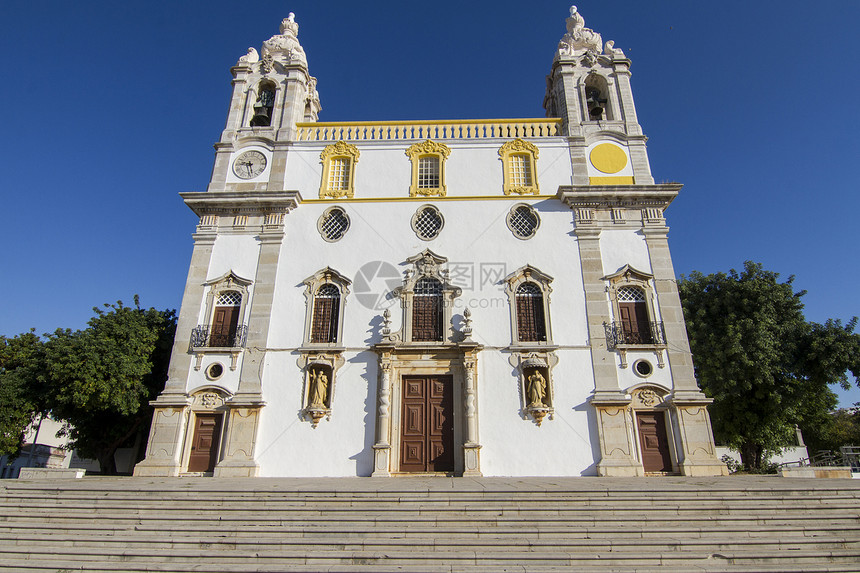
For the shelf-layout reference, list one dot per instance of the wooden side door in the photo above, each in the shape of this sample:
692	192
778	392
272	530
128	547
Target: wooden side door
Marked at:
654	441
427	424
205	442
225	320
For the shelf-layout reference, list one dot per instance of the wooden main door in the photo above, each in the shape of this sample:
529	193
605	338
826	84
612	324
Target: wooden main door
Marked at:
204	444
654	441
427	424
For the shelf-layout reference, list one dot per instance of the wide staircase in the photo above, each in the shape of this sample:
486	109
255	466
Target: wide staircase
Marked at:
430	524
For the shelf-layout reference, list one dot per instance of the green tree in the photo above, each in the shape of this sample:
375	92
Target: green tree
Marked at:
103	377
21	388
841	428
765	366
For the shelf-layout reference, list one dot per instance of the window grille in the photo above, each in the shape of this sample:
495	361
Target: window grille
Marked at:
427	222
325	317
333	224
531	326
630	294
523	221
521	171
338	175
428	172
229	298
427	311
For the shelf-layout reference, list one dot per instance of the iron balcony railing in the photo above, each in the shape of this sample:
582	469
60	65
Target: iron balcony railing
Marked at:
634	333
204	336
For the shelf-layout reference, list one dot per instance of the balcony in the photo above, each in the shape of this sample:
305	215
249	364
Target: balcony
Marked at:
625	334
204	336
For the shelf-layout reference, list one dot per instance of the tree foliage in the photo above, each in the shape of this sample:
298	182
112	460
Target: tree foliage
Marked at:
765	366
21	388
102	378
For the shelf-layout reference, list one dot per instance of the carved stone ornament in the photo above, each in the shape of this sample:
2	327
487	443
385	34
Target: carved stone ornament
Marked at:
610	50
252	57
286	47
209	400
428	147
518	146
647	397
578	37
341	148
267	64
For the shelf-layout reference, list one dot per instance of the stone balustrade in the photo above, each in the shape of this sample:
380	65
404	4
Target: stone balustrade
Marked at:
441	129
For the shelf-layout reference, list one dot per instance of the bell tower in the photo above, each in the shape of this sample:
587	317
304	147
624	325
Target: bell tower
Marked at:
272	91
589	89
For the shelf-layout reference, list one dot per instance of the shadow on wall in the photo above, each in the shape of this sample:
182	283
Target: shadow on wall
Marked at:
593	430
364	458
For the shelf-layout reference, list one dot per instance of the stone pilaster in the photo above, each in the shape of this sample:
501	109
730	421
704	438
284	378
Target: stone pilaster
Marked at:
293	104
169	420
614	425
163	450
666	287
596	307
471	446
689	403
245	405
617	437
382	446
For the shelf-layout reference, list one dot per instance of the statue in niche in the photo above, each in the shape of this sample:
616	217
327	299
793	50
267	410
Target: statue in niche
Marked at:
536	387
319	389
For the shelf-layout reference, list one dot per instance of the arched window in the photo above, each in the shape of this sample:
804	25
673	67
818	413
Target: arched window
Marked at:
325	297
326	310
531	325
596	98
264	106
427	311
528	291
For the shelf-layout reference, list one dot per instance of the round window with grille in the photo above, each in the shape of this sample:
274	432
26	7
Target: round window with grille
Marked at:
333	224
523	221
427	222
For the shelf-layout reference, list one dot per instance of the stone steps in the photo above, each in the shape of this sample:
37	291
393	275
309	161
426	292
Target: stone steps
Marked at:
418	525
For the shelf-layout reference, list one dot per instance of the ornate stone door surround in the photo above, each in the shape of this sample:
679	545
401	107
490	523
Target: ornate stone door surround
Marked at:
455	355
395	363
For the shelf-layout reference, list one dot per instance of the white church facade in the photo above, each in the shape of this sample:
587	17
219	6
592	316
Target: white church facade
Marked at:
479	297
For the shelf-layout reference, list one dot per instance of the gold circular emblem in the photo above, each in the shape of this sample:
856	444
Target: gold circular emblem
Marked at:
608	158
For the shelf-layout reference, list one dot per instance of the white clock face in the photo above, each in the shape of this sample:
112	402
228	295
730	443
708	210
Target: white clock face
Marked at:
249	164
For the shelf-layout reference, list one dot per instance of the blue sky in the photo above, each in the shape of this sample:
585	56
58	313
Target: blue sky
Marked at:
111	109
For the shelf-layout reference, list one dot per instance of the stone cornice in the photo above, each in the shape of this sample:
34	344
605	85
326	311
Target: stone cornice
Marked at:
595	196
216	202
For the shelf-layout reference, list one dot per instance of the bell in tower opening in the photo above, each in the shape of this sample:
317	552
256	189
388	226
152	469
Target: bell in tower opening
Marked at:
264	106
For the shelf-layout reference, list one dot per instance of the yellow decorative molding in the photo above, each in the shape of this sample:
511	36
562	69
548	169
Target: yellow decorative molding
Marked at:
527	153
622	180
428	129
428	148
425	149
340	151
